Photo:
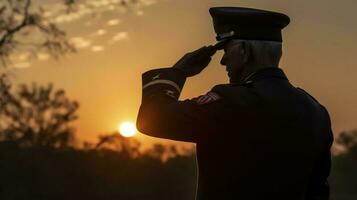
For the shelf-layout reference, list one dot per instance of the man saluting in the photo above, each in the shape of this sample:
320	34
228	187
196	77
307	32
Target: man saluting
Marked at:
258	137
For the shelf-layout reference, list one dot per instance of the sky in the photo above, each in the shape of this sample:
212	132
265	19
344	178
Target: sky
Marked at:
116	46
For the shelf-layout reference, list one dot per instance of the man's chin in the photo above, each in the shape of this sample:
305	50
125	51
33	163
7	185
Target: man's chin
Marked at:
232	79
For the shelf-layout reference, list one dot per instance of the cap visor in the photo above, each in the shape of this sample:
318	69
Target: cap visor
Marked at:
221	44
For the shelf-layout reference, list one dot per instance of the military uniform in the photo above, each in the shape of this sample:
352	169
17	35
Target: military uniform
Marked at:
261	138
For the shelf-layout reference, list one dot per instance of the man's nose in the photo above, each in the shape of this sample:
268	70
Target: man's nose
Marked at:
223	60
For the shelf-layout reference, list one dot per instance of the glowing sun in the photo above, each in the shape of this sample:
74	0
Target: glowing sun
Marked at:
127	129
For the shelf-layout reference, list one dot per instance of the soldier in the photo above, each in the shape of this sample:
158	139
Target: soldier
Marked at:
258	137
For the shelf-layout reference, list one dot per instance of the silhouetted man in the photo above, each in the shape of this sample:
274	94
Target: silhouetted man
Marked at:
258	137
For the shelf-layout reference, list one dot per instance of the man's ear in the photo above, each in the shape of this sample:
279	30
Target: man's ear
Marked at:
245	51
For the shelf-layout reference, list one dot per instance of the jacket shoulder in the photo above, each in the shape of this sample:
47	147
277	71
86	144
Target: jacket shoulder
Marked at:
236	94
308	94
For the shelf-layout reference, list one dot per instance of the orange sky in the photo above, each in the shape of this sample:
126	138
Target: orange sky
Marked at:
116	47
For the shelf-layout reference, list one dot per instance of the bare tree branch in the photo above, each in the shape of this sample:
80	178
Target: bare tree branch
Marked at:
9	32
20	19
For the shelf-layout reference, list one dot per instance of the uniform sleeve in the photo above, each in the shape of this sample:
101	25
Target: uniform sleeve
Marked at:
319	188
162	115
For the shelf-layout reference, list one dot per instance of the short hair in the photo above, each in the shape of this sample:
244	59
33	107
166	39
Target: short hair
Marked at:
264	51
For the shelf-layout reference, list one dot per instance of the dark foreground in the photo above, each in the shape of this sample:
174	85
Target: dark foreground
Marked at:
47	173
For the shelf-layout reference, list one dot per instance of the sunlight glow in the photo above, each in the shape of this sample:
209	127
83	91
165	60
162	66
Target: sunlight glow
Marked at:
127	129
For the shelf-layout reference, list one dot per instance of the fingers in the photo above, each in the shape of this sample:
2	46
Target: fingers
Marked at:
194	62
206	51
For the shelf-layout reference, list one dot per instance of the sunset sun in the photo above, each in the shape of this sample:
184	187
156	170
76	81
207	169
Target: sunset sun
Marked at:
127	129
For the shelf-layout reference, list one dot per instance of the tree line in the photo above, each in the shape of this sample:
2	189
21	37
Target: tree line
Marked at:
39	158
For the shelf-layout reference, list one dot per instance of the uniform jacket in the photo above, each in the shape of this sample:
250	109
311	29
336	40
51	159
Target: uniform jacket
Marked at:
260	139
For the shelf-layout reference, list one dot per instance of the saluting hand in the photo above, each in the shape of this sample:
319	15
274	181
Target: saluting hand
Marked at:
194	62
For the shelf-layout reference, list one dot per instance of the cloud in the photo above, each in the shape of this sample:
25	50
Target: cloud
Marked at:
98	32
120	36
43	56
22	65
99	3
148	2
113	22
80	42
97	48
69	17
140	13
90	13
101	32
23	56
57	12
111	7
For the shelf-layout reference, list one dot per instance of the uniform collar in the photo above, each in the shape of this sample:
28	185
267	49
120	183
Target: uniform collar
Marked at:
270	72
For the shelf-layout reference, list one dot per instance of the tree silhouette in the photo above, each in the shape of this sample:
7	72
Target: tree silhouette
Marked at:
344	175
115	141
347	139
37	116
24	26
4	90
